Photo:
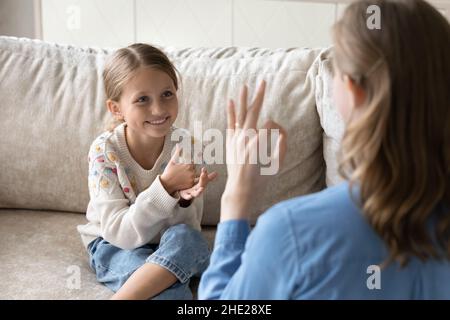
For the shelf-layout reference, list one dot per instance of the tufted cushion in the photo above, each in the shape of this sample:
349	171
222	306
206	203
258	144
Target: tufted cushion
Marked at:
53	107
330	119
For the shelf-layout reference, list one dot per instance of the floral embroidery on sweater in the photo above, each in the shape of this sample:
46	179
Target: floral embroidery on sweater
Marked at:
105	170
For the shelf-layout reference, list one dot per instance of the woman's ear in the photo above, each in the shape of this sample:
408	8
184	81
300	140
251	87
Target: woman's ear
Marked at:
358	95
114	108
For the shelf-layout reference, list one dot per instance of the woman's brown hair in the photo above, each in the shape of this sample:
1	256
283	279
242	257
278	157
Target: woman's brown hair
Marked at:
122	64
398	149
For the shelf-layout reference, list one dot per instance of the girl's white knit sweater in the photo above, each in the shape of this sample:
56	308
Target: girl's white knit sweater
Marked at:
128	205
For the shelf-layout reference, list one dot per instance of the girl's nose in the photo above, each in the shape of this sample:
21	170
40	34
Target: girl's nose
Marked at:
157	108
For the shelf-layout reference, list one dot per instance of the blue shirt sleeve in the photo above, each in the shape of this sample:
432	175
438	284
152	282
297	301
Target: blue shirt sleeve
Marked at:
262	265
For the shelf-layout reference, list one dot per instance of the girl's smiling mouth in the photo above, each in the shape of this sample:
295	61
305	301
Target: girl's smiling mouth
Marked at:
158	122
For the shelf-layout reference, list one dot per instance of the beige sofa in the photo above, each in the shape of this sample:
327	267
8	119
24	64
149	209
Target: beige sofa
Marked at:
52	107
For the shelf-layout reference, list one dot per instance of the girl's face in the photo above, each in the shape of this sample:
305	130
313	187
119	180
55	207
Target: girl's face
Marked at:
149	103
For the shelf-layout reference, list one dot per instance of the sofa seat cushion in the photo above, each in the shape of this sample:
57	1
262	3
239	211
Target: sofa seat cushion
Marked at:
42	256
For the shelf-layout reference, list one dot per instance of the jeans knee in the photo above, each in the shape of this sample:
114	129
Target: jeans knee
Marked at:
186	235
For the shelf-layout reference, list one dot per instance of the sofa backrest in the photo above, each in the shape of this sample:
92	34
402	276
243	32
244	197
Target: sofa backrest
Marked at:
330	119
52	102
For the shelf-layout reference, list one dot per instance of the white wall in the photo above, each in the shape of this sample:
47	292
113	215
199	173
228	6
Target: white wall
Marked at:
195	23
20	18
102	23
182	23
185	23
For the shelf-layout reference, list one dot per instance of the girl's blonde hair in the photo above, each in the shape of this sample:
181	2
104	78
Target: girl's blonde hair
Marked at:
122	64
398	149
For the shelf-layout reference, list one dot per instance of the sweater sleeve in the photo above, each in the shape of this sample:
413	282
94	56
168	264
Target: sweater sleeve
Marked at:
123	225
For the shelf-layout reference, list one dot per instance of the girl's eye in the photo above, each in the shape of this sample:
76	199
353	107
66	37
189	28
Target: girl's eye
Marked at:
142	99
167	94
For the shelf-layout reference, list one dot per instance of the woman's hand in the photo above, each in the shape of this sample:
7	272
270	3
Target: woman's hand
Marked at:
244	174
177	176
197	189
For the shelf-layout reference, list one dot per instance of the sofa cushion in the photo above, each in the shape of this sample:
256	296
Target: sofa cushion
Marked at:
330	119
53	107
42	257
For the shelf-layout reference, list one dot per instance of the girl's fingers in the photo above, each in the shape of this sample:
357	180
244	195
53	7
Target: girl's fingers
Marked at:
197	192
253	113
187	193
212	176
203	178
198	189
193	192
187	196
175	157
231	115
243	106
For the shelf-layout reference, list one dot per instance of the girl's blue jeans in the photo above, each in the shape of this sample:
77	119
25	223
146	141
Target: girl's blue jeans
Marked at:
182	251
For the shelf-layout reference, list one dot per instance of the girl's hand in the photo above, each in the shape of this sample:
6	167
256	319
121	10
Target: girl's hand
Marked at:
177	176
245	179
197	190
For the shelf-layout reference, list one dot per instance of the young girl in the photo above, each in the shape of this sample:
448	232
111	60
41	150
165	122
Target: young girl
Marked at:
384	234
145	208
